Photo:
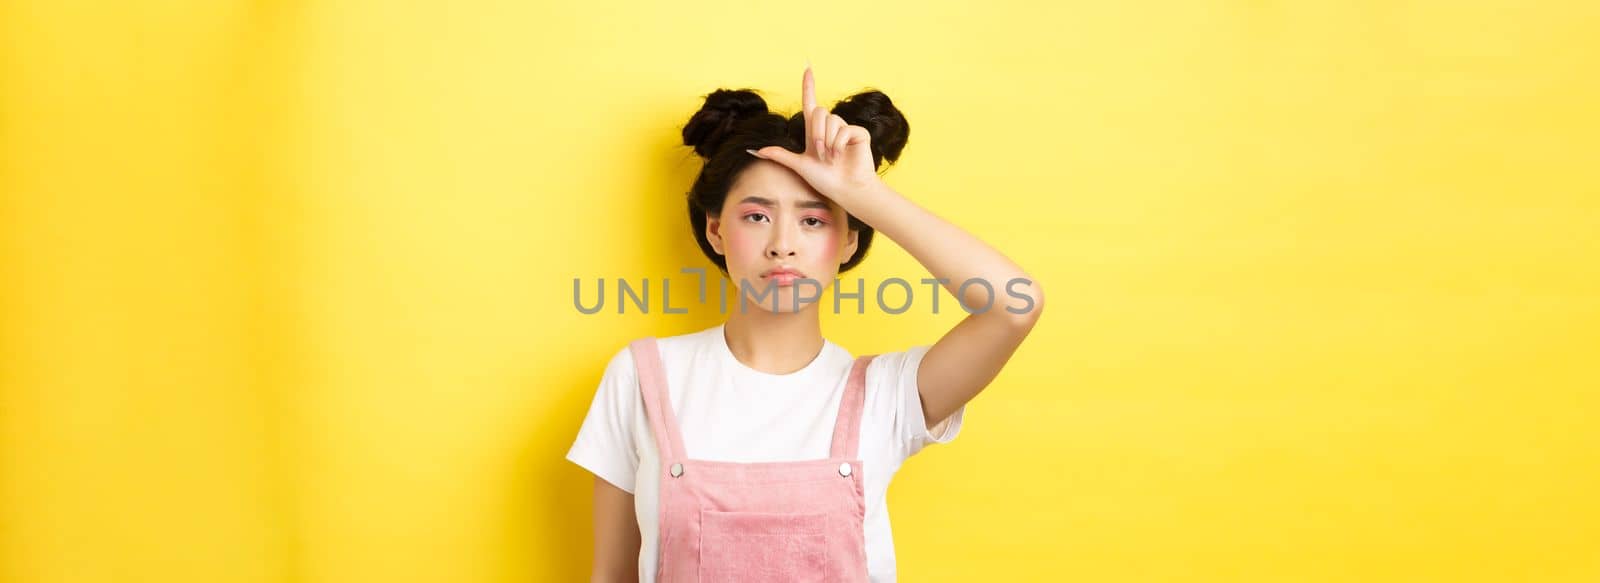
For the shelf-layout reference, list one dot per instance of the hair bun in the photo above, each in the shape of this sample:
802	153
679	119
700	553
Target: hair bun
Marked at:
711	126
873	110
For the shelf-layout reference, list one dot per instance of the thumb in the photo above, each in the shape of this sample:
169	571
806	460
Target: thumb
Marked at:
780	155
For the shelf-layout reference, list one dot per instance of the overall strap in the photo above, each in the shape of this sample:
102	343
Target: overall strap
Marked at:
847	428
657	401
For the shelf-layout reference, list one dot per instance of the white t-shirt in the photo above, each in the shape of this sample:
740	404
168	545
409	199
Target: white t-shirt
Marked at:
728	411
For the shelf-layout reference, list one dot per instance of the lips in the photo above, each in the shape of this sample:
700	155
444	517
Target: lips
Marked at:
786	272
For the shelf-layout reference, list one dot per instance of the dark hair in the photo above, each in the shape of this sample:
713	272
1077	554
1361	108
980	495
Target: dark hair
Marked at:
732	121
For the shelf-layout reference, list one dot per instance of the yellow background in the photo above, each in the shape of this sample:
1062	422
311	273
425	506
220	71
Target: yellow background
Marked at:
287	285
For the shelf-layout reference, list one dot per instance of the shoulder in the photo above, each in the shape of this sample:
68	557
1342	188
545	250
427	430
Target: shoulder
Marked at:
893	377
621	363
893	367
672	350
687	343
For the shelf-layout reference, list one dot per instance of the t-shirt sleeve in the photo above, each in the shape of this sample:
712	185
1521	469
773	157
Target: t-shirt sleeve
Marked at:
605	443
897	373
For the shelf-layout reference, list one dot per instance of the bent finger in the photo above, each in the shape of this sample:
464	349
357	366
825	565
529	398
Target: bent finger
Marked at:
836	126
841	140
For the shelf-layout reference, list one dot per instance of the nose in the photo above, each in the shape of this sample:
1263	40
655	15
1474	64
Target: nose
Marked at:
781	244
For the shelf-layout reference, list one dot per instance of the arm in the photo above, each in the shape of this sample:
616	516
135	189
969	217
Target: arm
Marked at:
963	362
616	535
838	163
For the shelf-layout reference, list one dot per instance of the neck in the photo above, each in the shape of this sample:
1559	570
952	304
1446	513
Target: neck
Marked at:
774	343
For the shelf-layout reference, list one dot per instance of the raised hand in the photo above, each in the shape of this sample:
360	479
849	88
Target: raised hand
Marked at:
837	161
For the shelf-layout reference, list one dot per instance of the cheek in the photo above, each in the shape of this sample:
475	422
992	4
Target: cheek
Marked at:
831	244
741	243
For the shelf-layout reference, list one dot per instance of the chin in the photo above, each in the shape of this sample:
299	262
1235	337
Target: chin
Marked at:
785	296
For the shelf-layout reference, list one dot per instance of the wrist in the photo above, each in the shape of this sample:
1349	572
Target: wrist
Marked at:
871	190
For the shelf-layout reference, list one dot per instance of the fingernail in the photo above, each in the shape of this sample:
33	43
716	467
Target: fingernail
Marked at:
753	153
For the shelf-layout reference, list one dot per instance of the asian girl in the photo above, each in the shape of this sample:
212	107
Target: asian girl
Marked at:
758	449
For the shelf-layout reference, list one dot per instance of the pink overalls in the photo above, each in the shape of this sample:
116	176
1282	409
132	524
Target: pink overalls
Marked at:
721	521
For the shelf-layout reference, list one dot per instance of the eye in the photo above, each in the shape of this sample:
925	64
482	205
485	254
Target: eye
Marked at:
818	223
754	215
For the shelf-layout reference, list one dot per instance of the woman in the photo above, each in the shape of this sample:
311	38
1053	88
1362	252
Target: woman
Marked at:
757	450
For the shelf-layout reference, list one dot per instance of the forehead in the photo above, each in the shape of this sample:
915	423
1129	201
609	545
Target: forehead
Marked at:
769	180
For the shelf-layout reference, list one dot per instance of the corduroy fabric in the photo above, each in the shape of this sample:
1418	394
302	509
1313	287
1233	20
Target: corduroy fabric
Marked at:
797	521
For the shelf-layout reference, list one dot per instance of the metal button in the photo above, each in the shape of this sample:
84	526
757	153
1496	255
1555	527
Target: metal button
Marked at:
844	469
677	470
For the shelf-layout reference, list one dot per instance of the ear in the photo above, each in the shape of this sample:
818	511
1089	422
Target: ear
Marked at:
714	233
849	250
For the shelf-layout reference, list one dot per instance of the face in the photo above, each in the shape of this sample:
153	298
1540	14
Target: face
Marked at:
772	219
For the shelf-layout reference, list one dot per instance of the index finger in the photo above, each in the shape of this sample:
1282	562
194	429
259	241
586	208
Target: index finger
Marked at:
808	92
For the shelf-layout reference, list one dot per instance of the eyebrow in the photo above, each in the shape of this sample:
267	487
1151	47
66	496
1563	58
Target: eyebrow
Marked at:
769	203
